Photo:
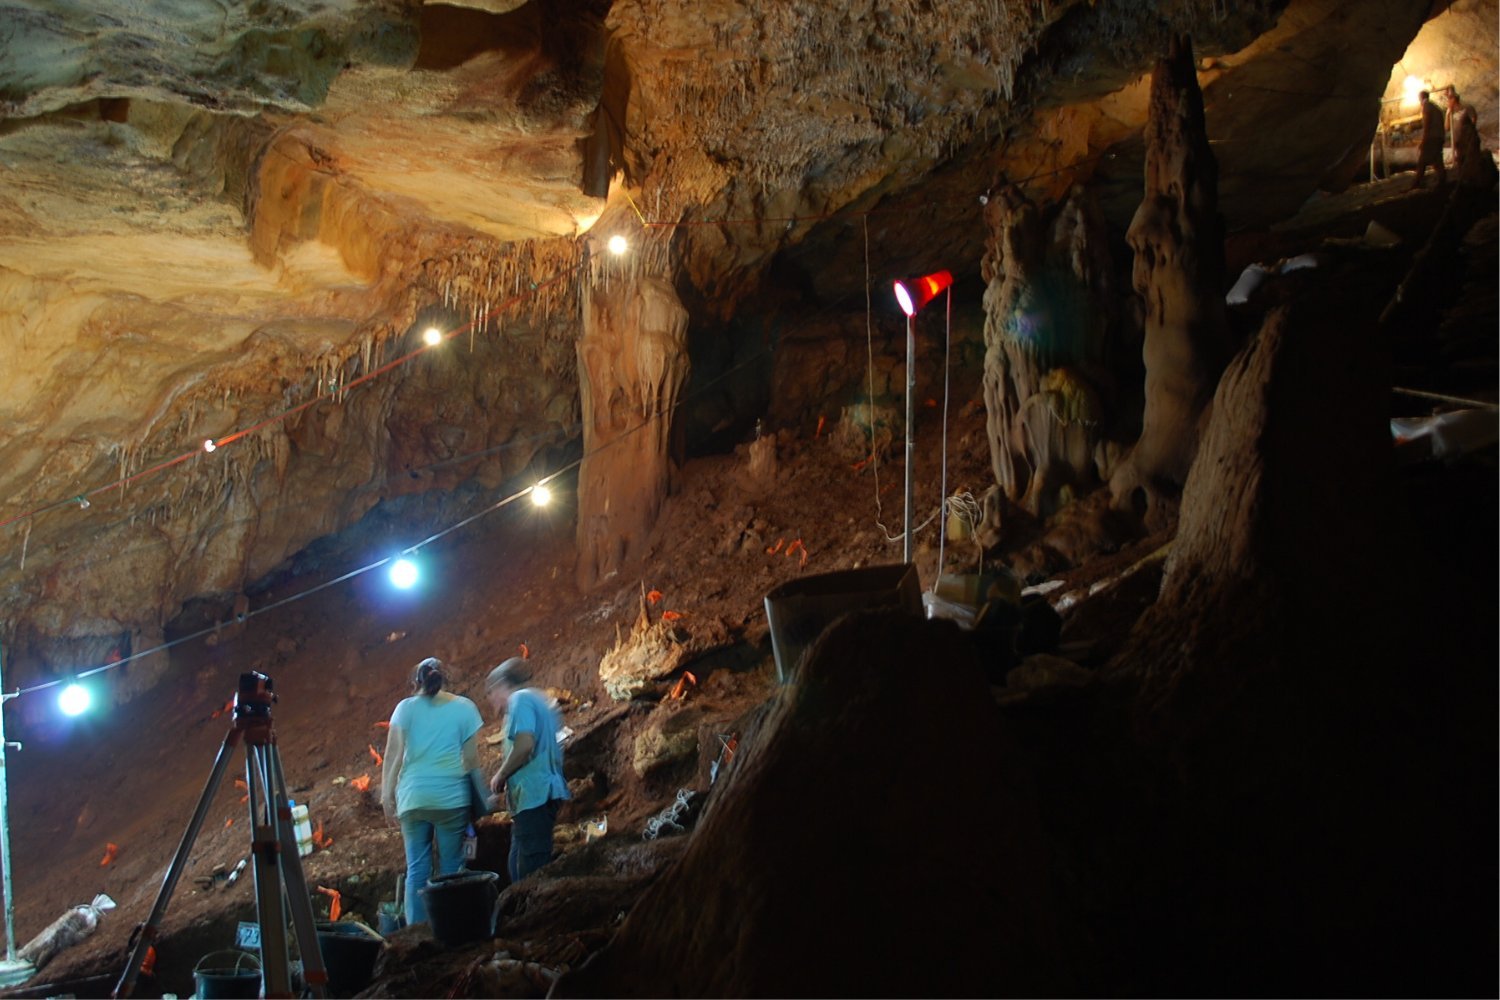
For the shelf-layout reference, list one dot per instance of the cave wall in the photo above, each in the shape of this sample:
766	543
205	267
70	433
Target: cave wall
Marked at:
212	218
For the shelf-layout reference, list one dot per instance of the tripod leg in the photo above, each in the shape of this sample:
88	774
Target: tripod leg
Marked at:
265	849
144	940
299	900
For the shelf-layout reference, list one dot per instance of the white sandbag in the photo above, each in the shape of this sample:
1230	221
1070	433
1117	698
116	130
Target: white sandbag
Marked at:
66	931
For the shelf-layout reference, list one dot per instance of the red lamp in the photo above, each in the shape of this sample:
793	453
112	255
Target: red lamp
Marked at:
912	295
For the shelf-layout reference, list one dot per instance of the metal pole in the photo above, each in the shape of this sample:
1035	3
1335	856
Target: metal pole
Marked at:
12	967
911	386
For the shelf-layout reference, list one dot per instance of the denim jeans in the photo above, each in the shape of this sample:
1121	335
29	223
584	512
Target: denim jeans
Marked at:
419	827
531	839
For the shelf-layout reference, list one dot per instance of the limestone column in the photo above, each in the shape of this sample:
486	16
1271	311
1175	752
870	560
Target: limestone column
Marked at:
1178	239
632	365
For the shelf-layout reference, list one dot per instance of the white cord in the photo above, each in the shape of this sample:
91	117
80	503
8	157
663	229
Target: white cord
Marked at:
870	390
943	485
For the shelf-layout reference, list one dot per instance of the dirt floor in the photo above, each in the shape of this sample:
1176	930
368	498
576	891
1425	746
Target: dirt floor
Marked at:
101	806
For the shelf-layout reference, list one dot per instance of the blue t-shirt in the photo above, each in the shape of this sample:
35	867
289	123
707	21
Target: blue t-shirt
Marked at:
432	767
541	780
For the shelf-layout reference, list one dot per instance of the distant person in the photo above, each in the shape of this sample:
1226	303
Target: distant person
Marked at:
531	775
1430	151
1472	166
425	785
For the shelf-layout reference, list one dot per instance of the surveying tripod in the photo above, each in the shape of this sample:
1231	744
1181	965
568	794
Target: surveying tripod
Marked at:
279	883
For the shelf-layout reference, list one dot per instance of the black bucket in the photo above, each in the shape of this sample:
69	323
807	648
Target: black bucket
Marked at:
224	975
461	907
350	950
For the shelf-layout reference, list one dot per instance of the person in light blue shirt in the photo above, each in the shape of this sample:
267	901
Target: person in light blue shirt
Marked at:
424	786
531	775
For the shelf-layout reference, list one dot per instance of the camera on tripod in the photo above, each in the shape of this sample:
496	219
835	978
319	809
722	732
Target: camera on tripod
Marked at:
255	696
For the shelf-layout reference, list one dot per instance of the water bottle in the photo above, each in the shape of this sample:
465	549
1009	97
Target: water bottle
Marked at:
302	823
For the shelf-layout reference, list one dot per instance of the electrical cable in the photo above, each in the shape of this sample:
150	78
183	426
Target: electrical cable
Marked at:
410	549
870	391
943	487
483	317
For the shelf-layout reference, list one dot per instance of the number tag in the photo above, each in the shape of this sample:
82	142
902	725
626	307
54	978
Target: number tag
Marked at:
247	936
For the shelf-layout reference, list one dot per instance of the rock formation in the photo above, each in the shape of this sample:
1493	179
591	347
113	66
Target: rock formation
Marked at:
914	905
215	219
632	363
1047	341
1178	238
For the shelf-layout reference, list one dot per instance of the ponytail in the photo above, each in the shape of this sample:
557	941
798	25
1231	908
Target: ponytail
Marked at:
429	677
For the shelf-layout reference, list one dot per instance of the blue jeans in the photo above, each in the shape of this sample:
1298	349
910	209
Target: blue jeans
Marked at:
531	839
418	829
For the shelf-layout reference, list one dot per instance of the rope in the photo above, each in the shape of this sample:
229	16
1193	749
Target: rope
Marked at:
667	819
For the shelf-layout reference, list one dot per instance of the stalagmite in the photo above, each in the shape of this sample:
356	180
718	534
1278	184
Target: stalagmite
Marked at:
1178	239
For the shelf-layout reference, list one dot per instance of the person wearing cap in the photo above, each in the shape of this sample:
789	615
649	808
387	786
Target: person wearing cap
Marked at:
531	774
424	779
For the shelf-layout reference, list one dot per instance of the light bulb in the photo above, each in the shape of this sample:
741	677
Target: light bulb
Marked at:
404	574
617	245
541	495
74	699
432	336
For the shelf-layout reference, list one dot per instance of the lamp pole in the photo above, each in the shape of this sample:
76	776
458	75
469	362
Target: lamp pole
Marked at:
12	970
911	385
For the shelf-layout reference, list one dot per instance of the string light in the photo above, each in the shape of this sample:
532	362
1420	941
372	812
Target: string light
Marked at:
211	445
541	496
753	359
618	244
432	336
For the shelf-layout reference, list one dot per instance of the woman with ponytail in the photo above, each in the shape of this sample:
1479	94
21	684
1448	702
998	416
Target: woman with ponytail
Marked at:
424	786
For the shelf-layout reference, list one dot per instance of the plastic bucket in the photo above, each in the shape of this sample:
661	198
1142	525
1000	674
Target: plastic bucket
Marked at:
350	950
227	974
461	907
799	610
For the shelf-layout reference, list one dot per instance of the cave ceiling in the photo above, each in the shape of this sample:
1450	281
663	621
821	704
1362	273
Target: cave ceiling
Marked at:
221	220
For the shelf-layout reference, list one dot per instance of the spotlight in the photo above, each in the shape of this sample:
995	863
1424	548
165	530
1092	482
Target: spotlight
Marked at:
1410	87
209	445
74	699
541	495
617	245
404	574
912	295
432	336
